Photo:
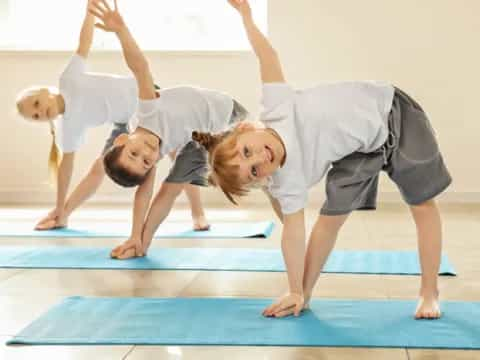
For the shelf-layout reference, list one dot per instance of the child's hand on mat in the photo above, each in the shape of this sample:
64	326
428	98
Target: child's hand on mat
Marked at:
242	6
290	304
54	219
111	19
130	248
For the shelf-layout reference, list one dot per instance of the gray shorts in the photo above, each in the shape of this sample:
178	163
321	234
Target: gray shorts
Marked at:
191	163
410	156
117	129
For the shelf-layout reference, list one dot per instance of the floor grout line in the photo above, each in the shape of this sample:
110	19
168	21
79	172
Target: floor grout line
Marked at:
128	352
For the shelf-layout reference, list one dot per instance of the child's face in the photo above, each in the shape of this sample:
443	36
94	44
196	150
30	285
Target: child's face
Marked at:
141	152
259	153
40	107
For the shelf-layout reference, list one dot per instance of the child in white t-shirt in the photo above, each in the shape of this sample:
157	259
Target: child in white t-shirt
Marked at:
85	100
164	123
352	130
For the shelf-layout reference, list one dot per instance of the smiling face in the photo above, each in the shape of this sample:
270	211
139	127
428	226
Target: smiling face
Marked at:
260	153
140	151
39	105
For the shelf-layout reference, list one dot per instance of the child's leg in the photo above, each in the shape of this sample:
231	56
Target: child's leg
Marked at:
193	194
322	239
198	215
429	232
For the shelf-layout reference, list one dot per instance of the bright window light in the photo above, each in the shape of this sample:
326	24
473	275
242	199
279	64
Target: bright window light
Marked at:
169	25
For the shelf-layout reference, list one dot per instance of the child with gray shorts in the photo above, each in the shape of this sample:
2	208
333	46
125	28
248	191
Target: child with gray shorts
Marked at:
163	124
349	132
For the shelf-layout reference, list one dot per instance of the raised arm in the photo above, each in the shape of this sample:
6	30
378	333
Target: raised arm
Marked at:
112	21
270	67
86	34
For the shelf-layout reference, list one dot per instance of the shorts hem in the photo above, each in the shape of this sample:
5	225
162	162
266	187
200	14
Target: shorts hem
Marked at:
430	195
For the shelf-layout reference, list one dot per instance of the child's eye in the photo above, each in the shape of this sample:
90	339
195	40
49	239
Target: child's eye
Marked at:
36	103
134	153
246	152
35	116
254	171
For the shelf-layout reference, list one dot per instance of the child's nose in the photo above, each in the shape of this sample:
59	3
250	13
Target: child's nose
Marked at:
261	157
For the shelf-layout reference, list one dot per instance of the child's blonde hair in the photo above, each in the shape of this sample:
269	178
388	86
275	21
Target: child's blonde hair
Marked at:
222	149
55	155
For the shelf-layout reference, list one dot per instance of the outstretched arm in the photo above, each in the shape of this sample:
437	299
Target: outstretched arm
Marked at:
161	206
270	67
112	21
86	34
143	195
293	249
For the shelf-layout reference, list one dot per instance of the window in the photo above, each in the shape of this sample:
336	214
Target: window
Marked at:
170	25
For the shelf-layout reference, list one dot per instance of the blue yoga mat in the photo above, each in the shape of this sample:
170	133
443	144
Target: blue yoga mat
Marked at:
261	229
233	321
368	262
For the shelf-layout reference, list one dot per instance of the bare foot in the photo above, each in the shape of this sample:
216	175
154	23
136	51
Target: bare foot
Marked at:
51	224
200	223
428	308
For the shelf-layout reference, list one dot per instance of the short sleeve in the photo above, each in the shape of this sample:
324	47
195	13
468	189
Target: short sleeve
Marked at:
277	101
146	108
293	203
69	139
289	185
76	66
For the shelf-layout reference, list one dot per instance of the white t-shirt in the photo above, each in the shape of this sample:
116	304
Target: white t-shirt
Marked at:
181	110
92	100
321	125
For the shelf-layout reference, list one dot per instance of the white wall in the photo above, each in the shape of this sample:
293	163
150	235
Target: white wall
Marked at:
429	48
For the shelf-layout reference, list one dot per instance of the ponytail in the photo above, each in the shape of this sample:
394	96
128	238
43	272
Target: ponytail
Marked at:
55	156
207	140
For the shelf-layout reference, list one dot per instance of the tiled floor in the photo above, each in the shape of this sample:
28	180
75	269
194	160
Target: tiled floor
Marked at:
25	294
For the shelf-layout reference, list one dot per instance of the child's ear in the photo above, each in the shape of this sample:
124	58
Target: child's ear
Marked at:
120	140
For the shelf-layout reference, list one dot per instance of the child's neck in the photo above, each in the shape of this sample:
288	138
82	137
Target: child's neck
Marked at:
142	130
61	103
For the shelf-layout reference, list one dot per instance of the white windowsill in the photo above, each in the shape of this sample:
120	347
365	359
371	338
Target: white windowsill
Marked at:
95	52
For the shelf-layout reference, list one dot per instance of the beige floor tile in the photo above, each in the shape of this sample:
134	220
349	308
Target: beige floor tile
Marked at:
415	354
451	288
263	353
243	284
96	282
62	352
7	273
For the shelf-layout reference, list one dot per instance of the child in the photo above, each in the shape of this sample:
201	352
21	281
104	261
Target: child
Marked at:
352	130
166	120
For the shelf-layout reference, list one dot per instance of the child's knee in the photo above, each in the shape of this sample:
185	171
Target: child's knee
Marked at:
425	206
331	223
